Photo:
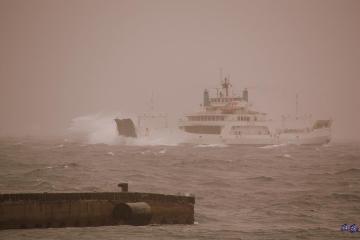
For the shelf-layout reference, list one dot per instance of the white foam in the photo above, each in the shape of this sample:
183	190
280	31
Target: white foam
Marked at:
285	155
210	145
162	151
95	129
273	146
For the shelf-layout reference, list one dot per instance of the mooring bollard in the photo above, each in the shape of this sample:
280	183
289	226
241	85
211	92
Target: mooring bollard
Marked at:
124	187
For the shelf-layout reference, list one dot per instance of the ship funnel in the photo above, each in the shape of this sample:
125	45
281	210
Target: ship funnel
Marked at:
206	98
245	95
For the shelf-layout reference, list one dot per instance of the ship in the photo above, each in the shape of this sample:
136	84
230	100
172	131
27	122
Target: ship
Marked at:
227	118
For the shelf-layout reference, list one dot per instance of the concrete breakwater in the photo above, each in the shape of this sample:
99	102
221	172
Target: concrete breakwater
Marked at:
42	210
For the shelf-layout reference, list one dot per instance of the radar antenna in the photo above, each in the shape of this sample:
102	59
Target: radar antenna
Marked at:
226	85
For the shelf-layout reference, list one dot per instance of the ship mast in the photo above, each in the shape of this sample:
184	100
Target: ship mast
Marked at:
226	85
297	106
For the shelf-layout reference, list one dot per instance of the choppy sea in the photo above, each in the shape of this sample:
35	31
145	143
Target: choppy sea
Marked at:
242	192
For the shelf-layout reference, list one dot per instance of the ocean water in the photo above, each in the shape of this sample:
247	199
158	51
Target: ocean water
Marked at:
242	192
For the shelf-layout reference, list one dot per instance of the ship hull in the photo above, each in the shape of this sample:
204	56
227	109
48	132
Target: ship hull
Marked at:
315	137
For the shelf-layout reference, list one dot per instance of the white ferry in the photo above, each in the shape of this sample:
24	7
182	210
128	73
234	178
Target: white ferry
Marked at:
230	119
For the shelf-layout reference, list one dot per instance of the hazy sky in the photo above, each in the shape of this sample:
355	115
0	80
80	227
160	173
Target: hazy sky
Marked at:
64	59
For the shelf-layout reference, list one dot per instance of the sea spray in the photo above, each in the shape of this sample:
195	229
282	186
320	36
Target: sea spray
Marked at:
95	129
101	129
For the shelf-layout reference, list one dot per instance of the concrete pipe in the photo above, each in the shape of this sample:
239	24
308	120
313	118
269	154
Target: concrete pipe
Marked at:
137	213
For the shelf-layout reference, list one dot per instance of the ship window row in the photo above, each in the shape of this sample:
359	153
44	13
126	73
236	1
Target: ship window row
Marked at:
251	133
247	130
245	118
206	118
291	130
224	100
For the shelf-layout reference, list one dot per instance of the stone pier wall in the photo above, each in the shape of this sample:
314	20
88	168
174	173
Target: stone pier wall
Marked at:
40	210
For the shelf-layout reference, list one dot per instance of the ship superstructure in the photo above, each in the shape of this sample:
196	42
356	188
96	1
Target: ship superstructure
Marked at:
230	119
